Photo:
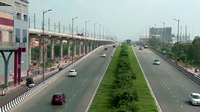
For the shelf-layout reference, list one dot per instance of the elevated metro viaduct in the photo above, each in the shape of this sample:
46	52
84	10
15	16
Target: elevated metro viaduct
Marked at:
87	42
17	48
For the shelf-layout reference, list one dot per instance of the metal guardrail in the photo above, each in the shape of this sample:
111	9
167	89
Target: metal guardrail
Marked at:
12	44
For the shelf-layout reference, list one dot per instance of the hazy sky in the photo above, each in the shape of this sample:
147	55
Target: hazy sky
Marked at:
123	18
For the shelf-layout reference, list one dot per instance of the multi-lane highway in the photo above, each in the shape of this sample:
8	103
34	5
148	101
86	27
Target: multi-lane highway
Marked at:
171	87
78	90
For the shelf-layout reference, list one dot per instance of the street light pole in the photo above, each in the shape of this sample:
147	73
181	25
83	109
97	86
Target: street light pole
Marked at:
43	42
155	30
86	27
100	31
72	38
149	31
163	32
177	36
94	35
103	31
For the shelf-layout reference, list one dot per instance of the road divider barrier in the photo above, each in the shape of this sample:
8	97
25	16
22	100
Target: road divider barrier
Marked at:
25	95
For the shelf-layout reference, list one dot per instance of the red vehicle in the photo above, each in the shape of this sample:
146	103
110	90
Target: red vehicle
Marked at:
58	98
106	48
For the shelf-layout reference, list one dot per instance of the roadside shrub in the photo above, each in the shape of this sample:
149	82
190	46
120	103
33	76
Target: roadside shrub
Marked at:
121	71
182	57
170	54
133	107
124	81
124	63
135	95
122	95
121	109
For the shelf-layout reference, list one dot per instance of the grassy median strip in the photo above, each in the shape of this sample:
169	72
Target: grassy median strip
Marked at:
146	101
103	101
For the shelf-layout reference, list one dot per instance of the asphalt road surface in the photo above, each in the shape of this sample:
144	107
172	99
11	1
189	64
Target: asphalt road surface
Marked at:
170	86
78	90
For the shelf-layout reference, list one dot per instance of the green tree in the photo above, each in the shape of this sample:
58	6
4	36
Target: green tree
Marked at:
153	42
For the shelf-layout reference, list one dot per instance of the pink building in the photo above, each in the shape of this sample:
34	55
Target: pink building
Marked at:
34	44
6	27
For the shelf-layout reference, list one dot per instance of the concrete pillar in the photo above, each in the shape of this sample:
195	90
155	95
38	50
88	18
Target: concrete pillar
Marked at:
74	48
91	43
61	49
79	53
83	47
68	47
87	44
29	51
41	49
52	49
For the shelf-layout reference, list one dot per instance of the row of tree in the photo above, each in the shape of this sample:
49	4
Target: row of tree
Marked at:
185	52
123	95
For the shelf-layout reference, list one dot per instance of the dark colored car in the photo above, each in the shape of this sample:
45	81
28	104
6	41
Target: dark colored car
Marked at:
58	98
106	48
29	81
113	45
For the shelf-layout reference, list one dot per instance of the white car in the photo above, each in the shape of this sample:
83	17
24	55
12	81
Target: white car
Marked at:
103	55
194	98
156	62
72	73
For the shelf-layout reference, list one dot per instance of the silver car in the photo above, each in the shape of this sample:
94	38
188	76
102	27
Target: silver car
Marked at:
194	98
156	62
103	55
72	73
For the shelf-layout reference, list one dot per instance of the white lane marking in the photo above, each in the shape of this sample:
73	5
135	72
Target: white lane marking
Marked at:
61	111
173	96
165	84
167	88
177	80
183	86
73	95
82	83
152	93
69	99
76	90
88	107
187	89
65	105
170	91
181	106
177	100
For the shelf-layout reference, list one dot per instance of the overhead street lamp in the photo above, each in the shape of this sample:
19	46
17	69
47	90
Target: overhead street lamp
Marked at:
86	28
163	32
177	36
94	29
100	31
72	38
155	30
43	42
103	31
149	31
